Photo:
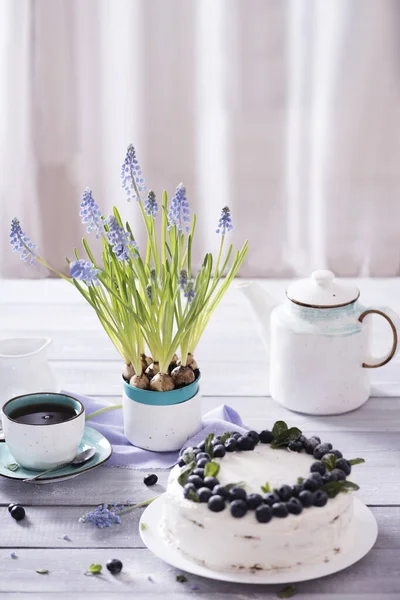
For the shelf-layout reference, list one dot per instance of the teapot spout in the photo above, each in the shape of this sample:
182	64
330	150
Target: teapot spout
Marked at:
261	303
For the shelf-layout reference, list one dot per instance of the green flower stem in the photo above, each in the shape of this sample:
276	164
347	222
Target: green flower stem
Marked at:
102	410
138	505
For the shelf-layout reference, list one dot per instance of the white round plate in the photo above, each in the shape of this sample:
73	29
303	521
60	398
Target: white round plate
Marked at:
365	530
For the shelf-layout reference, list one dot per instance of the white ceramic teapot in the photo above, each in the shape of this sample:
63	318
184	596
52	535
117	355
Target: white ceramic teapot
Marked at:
319	344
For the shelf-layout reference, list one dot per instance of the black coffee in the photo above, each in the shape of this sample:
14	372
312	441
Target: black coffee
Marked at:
43	414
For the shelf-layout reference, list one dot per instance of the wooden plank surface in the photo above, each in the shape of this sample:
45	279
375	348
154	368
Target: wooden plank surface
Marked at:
85	362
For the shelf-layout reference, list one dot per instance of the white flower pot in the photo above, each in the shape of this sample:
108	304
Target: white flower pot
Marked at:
161	421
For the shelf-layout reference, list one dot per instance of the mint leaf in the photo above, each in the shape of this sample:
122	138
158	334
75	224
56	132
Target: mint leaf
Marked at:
285	437
208	446
181	578
229	486
13	467
192	495
287	592
211	469
329	461
143	526
356	461
185	473
42	571
226	436
279	428
95	569
300	480
188	456
333	488
266	488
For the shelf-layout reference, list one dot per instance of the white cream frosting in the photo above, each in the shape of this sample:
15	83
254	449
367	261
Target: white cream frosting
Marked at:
222	542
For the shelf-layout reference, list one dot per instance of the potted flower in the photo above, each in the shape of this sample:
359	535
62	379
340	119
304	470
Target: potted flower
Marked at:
151	303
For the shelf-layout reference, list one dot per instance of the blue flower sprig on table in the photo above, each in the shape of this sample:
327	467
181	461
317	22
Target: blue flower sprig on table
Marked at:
106	515
150	303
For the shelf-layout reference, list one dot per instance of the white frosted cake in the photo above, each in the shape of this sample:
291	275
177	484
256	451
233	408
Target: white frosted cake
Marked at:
257	505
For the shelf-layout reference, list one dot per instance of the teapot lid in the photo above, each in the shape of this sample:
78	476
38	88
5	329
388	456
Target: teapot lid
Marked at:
321	290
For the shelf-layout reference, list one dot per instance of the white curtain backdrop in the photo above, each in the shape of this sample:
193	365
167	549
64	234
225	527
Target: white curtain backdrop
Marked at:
287	111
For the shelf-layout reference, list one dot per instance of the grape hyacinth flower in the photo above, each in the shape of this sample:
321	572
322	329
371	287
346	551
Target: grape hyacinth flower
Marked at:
90	213
183	279
103	516
21	243
189	292
225	221
149	292
85	271
151	207
131	175
120	240
178	213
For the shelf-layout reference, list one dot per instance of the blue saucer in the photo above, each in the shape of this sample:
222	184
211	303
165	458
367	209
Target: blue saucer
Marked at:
91	438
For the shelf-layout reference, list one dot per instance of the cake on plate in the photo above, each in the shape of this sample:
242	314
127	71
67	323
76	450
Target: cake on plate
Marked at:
259	501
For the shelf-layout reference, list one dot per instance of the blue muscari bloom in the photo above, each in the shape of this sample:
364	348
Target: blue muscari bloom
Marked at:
225	221
104	515
83	270
21	243
90	213
183	279
149	292
189	292
131	175
120	240
151	207
178	213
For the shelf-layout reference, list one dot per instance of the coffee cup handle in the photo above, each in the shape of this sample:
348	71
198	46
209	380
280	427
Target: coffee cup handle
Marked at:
373	362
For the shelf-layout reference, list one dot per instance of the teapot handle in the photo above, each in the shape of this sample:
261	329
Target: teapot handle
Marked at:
374	362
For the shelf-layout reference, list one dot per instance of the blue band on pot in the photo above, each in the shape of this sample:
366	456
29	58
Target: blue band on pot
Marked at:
152	398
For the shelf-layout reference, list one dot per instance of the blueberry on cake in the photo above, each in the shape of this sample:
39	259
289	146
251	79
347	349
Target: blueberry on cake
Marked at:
259	501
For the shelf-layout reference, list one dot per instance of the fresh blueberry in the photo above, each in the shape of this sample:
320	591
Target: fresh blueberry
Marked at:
254	500
10	506
245	443
338	474
197	481
231	444
17	512
321	449
202	445
238	508
328	477
284	492
237	493
306	498
279	509
220	490
236	435
320	498
294	506
263	513
295	446
150	479
210	482
181	463
196	451
297	488
203	455
343	465
317	478
254	436
198	471
271	498
309	484
202	463
311	443
114	566
216	441
204	494
266	436
216	503
188	488
337	453
318	467
302	439
219	451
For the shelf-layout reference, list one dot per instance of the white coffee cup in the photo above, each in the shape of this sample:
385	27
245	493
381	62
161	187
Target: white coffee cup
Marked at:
43	446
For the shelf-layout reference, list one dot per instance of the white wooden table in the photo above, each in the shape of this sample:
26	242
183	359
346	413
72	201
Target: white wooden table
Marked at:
85	362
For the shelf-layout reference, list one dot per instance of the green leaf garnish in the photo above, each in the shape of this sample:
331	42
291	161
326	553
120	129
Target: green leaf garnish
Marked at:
42	571
279	428
13	467
356	461
143	526
95	569
287	592
286	436
226	436
211	469
181	578
188	456
229	486
300	480
185	473
192	495
266	488
329	462
333	488
208	446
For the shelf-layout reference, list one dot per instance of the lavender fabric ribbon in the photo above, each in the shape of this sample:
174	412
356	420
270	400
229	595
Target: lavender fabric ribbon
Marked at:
217	421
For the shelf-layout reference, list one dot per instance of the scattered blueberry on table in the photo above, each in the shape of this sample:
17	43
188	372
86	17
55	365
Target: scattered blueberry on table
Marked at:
114	566
150	479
